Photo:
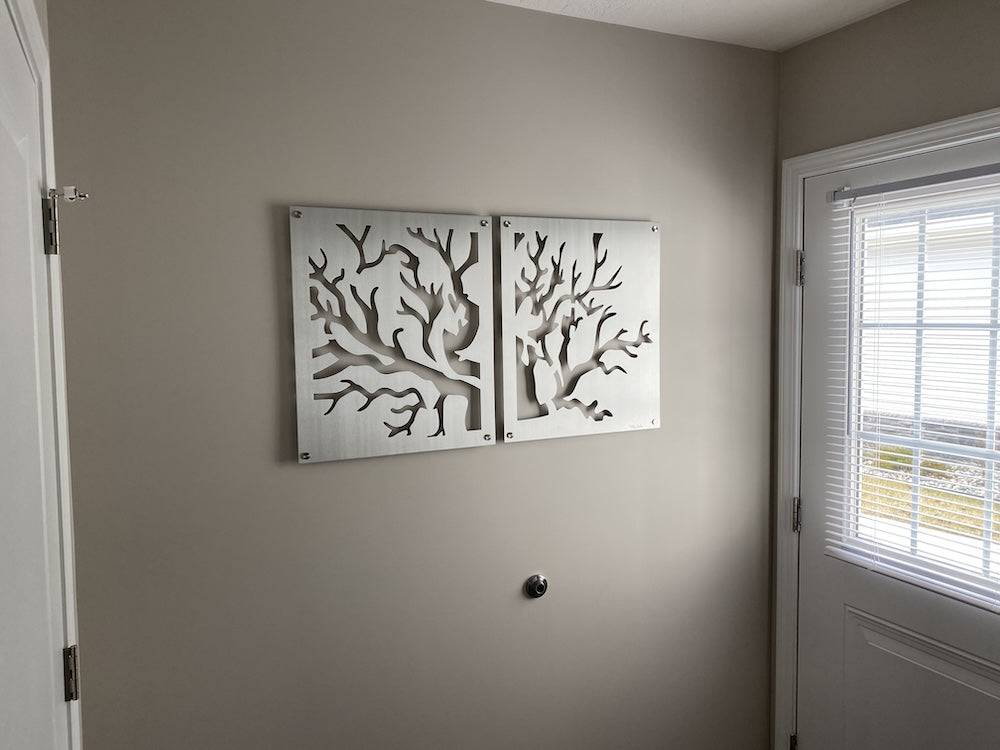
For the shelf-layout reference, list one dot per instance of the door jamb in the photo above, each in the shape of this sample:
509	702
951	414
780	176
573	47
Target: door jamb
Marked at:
29	30
794	172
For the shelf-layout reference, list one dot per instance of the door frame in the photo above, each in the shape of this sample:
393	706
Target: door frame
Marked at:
29	30
788	396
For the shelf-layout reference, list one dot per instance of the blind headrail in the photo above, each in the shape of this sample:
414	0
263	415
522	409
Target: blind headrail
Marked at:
848	193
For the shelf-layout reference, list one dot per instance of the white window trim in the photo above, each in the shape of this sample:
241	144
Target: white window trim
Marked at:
794	172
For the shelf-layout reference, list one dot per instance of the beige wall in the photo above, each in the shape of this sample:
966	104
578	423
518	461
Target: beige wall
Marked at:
918	63
230	598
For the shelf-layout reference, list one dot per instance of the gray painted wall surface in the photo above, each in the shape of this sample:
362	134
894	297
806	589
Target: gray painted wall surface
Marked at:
230	598
918	63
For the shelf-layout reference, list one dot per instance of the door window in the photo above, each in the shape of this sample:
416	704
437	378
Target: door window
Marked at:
913	474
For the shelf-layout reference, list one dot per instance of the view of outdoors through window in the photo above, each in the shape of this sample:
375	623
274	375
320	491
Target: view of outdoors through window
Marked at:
923	412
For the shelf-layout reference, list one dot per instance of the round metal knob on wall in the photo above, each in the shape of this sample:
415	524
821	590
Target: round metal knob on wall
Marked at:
535	586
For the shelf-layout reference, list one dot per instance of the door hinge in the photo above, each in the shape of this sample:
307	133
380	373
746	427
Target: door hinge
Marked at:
50	215
50	224
796	514
71	674
793	742
800	268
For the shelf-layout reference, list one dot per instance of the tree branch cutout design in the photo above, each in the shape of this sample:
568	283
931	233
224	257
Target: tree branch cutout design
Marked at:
565	328
398	325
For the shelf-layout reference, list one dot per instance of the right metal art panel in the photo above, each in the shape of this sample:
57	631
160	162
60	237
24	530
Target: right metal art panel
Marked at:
580	326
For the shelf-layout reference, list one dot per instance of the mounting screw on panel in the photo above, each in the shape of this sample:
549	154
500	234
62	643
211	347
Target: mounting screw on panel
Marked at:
487	438
304	456
535	587
484	222
510	435
506	223
656	228
297	214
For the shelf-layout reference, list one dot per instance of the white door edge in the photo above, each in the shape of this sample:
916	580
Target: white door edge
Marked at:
28	26
794	172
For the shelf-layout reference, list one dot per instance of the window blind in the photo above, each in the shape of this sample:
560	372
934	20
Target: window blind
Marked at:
913	429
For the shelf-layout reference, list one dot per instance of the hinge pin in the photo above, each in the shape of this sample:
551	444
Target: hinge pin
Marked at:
68	194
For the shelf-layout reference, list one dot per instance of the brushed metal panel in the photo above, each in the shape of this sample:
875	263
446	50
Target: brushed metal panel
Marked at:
580	319
393	332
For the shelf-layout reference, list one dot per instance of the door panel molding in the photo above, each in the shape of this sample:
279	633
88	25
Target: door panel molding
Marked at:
929	653
795	171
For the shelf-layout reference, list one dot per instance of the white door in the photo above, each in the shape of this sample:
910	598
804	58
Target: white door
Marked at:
899	622
36	594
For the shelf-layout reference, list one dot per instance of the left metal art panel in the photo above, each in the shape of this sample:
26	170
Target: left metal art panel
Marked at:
393	332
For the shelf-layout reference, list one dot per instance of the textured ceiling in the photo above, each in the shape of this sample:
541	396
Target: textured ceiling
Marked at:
765	24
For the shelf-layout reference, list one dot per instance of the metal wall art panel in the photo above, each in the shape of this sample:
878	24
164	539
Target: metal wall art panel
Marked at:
580	326
393	332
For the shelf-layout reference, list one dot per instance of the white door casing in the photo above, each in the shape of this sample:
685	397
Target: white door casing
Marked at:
882	662
879	630
36	553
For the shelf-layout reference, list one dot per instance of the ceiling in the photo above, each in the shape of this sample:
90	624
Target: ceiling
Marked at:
764	24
